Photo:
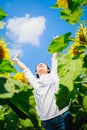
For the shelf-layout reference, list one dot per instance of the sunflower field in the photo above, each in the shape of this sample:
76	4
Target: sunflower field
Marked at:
17	104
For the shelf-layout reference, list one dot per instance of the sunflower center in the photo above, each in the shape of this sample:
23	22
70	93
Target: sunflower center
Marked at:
1	52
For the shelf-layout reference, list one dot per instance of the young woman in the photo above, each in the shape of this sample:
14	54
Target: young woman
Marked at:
45	85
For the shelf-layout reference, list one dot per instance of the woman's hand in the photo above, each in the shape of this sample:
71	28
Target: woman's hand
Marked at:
19	63
15	59
55	55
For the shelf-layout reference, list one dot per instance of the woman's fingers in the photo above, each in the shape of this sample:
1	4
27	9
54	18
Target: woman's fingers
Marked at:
15	58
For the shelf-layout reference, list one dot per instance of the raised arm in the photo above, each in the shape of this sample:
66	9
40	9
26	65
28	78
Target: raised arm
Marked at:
54	72
29	75
54	63
20	64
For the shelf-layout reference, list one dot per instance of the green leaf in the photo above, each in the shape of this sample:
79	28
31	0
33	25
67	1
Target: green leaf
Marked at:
85	61
2	24
6	67
85	102
11	86
84	2
74	4
71	17
75	108
21	101
59	43
4	93
26	123
8	119
80	98
70	4
74	11
2	14
69	70
80	47
62	97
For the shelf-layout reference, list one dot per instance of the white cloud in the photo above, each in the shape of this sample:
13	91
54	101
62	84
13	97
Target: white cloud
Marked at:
25	29
13	52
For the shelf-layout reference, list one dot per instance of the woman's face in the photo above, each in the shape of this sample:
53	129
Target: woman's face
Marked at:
41	69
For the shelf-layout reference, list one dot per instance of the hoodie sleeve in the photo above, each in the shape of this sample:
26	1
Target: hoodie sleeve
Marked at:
54	69
29	75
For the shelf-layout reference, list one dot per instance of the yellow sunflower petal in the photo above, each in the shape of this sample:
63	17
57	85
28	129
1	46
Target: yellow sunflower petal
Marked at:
62	3
21	76
4	53
81	34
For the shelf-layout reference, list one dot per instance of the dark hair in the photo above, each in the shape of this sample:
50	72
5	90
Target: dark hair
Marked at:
47	68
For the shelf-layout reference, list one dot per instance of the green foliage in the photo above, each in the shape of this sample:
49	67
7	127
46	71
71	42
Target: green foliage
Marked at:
19	97
6	67
71	17
84	2
69	69
73	86
72	66
85	61
2	14
61	99
85	102
60	43
73	12
74	4
8	118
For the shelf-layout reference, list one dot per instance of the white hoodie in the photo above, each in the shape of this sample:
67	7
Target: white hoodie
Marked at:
44	90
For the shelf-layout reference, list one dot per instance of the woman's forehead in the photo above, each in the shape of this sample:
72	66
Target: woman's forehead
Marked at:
41	64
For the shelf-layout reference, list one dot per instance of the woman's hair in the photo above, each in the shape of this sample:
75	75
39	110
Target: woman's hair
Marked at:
47	68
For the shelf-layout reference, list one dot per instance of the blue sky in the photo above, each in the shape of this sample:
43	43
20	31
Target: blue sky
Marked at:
30	28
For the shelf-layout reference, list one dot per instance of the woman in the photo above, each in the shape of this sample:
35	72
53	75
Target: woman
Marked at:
45	85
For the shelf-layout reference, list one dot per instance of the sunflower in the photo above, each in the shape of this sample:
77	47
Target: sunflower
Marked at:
80	42
85	31
73	51
21	76
62	3
4	54
81	35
